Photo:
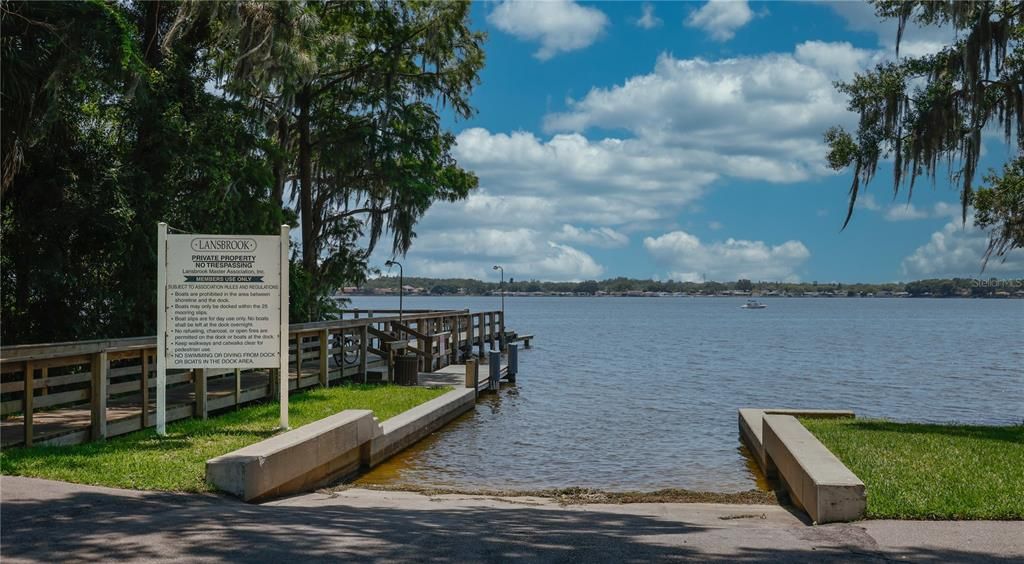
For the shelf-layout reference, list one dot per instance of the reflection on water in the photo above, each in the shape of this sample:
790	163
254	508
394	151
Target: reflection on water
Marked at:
641	394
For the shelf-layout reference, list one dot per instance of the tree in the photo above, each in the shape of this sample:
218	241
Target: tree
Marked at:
587	287
744	285
351	91
112	133
929	111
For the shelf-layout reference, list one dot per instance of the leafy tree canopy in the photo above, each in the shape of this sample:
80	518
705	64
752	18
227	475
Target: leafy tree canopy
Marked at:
930	111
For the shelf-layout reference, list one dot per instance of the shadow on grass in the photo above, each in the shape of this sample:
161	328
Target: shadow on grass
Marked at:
98	526
1008	433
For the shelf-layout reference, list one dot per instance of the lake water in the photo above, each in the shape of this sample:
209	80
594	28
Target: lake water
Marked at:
641	393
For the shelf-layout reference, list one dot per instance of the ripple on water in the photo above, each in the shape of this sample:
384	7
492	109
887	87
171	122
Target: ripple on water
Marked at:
641	394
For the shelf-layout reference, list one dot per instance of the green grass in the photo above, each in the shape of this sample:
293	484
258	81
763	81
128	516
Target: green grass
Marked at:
177	462
923	471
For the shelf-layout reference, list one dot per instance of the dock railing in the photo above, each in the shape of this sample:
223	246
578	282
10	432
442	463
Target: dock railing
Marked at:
68	393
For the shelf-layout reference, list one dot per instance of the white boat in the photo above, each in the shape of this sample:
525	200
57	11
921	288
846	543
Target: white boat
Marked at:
753	304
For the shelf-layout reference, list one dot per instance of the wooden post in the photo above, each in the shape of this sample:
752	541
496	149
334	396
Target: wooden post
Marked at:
364	344
471	375
144	384
502	345
325	352
421	344
480	335
29	399
199	380
495	370
513	362
99	396
298	360
428	346
238	387
391	356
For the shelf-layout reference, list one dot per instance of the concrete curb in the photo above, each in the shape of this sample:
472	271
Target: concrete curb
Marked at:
817	481
329	449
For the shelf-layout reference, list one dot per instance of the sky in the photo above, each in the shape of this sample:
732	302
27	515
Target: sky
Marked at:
683	141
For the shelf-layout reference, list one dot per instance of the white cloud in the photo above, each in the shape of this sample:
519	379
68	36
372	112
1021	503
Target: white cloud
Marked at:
721	18
541	260
917	40
690	259
605	183
605	237
956	251
905	212
677	130
714	225
945	209
559	25
758	117
840	59
648	20
868	202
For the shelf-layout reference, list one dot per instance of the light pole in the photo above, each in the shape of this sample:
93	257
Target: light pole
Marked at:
401	285
501	340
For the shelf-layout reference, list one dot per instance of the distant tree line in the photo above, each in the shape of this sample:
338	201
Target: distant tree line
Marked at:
935	287
218	117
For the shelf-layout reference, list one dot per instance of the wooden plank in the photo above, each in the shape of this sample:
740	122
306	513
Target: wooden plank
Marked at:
62	361
325	351
52	400
364	343
122	388
98	400
238	386
298	355
381	335
417	332
65	439
30	392
144	385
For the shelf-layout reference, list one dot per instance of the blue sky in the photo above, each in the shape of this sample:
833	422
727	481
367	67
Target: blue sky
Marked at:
684	141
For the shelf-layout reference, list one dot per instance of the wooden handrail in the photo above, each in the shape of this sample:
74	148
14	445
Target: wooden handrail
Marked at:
38	351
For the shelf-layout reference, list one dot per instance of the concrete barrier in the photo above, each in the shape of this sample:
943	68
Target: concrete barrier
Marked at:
410	426
750	422
329	449
816	480
297	460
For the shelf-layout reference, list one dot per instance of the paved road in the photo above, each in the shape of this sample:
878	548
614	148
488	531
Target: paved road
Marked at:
45	521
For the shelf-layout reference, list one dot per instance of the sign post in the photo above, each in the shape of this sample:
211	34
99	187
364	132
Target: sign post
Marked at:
222	303
283	309
161	331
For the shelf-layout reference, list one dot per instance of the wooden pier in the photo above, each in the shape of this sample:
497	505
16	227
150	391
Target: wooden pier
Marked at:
68	393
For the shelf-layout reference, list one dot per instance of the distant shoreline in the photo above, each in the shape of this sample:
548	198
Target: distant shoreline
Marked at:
747	296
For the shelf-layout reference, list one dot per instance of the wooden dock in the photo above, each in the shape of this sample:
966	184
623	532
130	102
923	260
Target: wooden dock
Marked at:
68	393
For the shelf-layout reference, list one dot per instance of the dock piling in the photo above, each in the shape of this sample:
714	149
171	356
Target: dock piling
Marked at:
495	370
513	361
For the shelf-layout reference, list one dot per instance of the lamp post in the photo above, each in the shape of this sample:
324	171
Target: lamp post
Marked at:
501	339
401	285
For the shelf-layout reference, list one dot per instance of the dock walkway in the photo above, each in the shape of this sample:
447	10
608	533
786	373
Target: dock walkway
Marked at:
68	393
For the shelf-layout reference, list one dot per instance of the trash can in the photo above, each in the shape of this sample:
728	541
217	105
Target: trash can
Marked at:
406	369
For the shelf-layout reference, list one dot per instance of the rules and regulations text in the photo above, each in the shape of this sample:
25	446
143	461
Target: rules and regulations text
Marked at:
223	301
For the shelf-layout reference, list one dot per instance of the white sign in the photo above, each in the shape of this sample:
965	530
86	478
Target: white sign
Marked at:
223	301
